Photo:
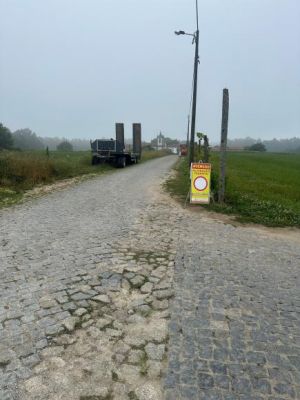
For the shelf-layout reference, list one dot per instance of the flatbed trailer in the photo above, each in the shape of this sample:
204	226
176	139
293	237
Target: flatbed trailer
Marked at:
114	151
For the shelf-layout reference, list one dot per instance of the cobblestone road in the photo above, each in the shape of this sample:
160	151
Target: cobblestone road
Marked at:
87	275
235	328
52	252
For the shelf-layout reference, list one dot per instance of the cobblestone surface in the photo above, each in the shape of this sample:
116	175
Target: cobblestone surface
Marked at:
235	326
57	257
87	279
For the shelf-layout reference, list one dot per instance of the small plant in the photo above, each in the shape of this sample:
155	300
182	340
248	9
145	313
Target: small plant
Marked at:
143	364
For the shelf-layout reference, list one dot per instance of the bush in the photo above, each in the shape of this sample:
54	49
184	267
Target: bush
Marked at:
6	139
256	147
65	146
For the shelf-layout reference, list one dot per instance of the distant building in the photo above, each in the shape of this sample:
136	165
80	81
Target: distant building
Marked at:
164	143
160	142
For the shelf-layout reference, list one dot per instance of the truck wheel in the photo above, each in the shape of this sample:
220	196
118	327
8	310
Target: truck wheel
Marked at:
121	163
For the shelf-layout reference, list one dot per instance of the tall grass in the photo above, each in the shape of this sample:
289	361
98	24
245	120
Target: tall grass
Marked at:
21	171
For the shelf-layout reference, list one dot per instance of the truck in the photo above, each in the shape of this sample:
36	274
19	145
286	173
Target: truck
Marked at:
113	151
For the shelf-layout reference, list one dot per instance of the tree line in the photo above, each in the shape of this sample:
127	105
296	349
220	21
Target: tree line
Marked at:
291	145
25	139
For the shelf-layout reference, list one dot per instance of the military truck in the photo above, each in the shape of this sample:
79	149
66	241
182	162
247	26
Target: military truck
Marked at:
113	151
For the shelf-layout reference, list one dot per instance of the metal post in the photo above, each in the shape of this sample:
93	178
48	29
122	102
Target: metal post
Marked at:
196	61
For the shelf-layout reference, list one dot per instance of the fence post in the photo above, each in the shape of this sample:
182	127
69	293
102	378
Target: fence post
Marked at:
224	131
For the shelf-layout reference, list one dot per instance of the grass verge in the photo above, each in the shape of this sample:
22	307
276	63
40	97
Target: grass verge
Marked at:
260	188
151	154
21	171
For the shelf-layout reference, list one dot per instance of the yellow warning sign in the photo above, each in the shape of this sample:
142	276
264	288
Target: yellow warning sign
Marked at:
200	183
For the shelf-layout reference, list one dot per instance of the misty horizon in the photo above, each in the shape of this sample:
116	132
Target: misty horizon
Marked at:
73	69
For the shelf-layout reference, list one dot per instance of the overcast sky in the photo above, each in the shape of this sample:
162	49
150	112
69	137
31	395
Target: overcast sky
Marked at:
73	68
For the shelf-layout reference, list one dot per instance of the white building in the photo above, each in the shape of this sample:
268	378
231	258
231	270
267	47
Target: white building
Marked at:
160	142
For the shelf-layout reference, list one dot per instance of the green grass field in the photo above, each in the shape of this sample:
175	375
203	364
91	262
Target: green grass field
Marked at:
261	187
23	170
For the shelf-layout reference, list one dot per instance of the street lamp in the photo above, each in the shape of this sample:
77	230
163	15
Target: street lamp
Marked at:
196	62
183	33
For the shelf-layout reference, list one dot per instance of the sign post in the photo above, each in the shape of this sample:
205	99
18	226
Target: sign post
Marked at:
200	183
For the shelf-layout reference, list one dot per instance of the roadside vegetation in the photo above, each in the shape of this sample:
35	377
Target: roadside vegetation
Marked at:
23	170
260	187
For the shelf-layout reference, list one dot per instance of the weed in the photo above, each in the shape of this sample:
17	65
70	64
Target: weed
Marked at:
115	376
143	364
132	396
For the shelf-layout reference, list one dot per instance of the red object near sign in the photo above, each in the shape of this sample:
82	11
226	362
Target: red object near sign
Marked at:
183	150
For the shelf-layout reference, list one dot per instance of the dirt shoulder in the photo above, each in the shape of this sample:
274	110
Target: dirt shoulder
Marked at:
286	233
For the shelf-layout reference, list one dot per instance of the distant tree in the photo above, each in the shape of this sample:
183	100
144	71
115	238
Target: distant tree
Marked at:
282	145
51	142
80	144
64	146
172	142
257	147
241	143
25	139
6	139
147	147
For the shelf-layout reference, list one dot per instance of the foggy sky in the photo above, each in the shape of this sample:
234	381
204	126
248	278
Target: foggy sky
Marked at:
73	68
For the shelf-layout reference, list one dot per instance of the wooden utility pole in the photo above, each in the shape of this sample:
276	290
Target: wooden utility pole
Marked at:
195	78
223	147
188	133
